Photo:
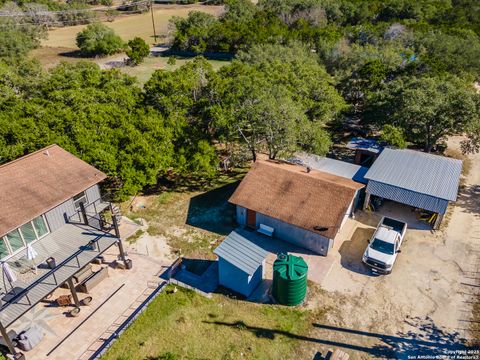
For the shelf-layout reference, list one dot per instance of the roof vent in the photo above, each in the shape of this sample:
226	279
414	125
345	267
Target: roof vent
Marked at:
46	153
320	228
309	169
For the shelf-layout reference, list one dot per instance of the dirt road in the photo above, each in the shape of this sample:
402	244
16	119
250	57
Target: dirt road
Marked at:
423	306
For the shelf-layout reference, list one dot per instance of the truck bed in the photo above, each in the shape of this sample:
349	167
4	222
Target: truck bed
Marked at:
394	224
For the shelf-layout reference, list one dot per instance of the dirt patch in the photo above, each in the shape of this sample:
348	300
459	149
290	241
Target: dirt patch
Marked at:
423	307
192	223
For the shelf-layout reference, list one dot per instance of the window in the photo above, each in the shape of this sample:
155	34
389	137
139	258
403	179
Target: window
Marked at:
3	248
40	226
15	240
79	198
28	232
19	238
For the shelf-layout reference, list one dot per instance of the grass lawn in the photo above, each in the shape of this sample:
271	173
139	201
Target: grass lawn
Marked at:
144	71
186	325
61	42
192	221
130	26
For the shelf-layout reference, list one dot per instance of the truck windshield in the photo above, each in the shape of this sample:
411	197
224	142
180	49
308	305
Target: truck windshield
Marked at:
382	246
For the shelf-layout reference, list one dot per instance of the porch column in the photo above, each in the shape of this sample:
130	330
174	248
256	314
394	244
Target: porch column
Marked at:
73	291
84	213
7	340
122	252
366	201
437	223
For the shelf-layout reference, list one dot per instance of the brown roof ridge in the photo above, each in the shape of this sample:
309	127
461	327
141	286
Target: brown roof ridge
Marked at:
36	183
28	155
284	191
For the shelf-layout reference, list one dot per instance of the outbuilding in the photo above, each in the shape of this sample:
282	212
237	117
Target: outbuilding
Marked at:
414	178
366	150
295	203
241	263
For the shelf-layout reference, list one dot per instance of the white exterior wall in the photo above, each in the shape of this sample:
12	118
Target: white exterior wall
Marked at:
347	214
293	234
58	216
297	236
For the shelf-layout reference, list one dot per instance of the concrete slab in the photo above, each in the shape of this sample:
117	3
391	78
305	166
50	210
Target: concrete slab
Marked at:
318	265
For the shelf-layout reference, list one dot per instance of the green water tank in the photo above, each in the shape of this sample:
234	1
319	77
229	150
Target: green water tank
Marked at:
289	279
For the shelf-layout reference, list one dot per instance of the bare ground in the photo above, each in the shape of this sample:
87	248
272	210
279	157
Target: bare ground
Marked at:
423	306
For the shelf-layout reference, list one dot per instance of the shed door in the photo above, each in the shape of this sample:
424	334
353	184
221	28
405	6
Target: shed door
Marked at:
251	218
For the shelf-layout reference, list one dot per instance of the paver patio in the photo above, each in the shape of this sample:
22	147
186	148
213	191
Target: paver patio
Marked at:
79	337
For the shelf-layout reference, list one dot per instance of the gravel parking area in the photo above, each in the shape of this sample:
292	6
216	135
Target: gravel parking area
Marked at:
424	305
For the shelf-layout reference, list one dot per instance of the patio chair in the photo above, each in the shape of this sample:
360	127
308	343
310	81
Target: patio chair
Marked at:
30	338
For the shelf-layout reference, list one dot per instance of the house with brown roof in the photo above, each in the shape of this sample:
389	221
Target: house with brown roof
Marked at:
50	202
304	207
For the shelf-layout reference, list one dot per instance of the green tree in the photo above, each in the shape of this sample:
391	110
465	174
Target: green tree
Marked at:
393	136
137	50
427	109
183	96
193	32
96	115
98	39
472	143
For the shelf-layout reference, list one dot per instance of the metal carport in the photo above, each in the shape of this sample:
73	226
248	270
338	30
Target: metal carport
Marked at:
415	178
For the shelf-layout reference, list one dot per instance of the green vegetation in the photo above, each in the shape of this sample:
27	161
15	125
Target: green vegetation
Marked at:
137	50
192	221
384	57
302	69
393	136
182	324
98	39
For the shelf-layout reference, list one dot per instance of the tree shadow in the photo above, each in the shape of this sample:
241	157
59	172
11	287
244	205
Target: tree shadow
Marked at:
211	210
469	199
351	251
76	54
425	339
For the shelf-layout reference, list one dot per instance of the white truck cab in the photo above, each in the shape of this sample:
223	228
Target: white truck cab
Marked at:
384	246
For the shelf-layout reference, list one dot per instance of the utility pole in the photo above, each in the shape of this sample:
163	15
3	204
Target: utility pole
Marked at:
153	23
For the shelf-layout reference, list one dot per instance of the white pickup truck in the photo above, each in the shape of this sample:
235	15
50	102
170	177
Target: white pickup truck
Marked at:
384	246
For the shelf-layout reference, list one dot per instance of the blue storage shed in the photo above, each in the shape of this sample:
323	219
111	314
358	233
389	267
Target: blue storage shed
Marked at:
240	263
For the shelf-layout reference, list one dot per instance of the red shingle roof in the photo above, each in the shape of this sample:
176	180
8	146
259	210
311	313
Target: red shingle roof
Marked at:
36	183
287	192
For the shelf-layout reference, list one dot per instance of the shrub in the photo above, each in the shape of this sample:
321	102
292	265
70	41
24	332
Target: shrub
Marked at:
137	50
98	39
393	136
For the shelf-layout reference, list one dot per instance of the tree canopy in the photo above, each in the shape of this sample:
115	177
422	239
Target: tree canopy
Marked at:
99	39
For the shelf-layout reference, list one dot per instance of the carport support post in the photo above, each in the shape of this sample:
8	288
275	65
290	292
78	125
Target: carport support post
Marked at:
9	343
366	201
73	291
438	221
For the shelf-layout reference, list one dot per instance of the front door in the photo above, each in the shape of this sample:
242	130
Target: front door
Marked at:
251	218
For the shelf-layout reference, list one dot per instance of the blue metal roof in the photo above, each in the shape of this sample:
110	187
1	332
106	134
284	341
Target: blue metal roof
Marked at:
370	145
241	253
408	197
332	166
423	173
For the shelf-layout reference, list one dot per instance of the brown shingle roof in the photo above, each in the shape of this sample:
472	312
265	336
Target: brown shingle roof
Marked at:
287	192
36	183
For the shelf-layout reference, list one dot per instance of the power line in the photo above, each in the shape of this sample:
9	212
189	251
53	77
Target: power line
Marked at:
30	13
